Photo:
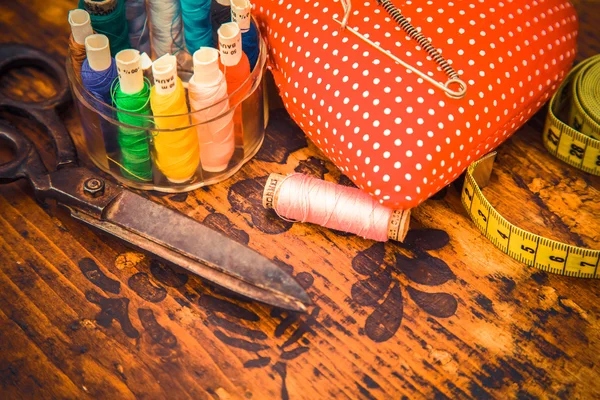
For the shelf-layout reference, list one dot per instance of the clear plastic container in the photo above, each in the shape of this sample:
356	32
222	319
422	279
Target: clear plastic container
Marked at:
99	142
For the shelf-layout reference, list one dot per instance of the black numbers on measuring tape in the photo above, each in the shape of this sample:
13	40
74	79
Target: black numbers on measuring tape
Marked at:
586	264
577	125
470	196
598	161
576	151
527	249
557	259
482	215
502	235
553	137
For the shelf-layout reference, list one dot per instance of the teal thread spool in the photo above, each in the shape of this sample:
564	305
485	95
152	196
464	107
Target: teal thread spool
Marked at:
109	18
196	24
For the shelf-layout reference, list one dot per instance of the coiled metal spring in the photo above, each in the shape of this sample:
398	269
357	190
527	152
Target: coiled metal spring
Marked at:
414	34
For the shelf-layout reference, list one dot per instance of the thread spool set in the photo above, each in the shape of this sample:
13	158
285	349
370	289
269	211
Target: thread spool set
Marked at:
163	106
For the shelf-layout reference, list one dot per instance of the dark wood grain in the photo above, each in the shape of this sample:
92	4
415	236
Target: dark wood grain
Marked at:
443	315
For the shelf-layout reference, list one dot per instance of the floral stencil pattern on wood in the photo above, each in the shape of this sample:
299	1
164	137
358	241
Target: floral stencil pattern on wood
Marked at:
381	288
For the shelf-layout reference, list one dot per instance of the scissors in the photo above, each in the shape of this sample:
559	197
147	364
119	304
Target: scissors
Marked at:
142	223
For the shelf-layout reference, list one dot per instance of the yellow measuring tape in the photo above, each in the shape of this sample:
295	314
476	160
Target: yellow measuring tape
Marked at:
576	143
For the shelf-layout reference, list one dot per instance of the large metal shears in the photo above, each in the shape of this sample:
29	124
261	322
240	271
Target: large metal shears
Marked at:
149	226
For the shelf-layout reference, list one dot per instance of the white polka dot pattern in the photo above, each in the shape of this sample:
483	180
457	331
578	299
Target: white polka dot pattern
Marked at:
393	134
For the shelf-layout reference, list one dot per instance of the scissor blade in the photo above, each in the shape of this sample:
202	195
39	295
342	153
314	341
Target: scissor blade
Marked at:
181	240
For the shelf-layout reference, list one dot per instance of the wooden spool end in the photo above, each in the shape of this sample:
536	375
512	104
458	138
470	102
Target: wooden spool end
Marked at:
398	225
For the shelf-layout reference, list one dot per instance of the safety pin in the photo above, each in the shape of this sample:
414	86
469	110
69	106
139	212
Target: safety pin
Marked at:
443	86
347	5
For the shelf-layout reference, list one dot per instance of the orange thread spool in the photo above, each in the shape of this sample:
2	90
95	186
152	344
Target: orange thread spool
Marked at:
238	85
81	28
77	53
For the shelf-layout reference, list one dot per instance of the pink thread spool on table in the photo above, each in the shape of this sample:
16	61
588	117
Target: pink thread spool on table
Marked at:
302	198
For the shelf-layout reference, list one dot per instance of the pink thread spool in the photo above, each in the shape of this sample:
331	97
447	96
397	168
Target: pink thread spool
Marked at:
303	198
207	93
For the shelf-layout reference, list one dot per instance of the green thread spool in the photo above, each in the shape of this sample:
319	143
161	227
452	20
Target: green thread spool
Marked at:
134	142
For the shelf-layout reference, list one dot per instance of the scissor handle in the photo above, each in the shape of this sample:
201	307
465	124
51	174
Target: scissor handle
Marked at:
27	162
13	55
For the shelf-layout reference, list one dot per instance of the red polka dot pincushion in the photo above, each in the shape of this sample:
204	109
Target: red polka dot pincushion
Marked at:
395	135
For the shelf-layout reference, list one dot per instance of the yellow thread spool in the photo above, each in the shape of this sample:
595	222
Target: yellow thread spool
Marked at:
177	150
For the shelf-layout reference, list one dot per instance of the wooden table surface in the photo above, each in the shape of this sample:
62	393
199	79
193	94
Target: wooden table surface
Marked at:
444	315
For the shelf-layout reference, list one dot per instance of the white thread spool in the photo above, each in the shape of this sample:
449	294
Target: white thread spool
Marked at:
230	43
129	67
166	26
81	25
240	13
164	71
206	66
98	52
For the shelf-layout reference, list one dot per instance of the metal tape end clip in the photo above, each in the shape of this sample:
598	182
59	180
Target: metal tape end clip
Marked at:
483	170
